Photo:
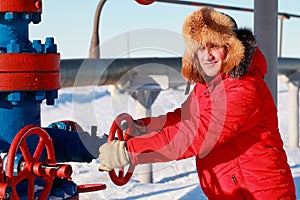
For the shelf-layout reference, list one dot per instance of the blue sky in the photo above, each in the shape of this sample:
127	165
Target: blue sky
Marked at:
152	30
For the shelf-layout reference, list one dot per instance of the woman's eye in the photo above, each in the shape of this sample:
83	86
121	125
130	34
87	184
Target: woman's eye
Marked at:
201	48
212	46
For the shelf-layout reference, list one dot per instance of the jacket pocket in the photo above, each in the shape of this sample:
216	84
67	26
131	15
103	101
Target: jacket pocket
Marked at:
239	188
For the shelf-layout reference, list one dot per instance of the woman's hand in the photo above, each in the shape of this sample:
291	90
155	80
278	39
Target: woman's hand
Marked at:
113	155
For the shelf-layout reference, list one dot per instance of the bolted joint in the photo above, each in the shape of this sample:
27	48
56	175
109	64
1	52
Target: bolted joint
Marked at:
10	16
38	46
40	96
13	47
50	97
14	98
50	47
36	18
24	16
27	17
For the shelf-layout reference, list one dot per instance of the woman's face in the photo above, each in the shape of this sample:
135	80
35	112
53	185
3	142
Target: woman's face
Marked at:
211	59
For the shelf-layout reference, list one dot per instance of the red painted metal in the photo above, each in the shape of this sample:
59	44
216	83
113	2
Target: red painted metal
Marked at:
145	2
57	170
116	127
1	170
29	71
121	178
90	187
4	187
5	191
26	171
61	170
34	6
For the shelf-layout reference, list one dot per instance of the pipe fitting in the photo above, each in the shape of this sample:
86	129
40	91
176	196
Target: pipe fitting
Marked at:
50	47
13	47
37	45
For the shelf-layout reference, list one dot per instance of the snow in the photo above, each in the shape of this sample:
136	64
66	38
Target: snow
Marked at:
93	105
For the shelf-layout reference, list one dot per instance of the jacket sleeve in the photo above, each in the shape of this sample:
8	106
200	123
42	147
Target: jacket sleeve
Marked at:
155	124
212	120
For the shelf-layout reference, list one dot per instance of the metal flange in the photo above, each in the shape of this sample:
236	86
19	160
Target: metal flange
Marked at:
29	72
34	6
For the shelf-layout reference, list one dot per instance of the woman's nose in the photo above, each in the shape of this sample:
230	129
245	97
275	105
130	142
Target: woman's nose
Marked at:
208	53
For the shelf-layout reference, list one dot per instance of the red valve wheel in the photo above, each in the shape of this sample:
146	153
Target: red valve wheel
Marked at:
145	2
26	172
120	179
90	187
1	171
5	188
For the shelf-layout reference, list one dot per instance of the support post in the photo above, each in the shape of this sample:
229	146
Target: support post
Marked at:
144	99
293	105
265	28
144	171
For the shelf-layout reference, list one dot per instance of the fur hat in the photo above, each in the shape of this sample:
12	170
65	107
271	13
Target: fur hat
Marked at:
205	26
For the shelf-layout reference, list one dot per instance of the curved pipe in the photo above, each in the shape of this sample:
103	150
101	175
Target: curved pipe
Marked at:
94	52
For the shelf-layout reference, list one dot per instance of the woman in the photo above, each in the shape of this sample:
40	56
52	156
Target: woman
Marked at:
228	123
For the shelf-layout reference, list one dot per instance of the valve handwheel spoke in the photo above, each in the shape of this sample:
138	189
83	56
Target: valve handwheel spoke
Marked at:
121	178
26	171
25	152
30	187
39	150
24	174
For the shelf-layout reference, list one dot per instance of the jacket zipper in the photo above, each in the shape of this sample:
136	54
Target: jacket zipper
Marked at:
237	186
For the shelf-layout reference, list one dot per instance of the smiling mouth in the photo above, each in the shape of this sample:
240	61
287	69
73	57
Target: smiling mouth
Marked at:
209	63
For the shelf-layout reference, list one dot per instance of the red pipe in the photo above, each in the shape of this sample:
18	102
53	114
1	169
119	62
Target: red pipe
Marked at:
90	187
193	3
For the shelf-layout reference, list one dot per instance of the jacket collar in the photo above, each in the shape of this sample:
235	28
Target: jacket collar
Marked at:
248	40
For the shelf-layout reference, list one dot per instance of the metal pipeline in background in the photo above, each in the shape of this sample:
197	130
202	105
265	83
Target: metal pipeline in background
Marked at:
85	72
288	64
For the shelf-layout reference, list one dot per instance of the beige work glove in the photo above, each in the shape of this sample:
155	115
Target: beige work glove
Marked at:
113	155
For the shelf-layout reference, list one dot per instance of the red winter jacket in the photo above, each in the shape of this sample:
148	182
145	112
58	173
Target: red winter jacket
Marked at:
230	126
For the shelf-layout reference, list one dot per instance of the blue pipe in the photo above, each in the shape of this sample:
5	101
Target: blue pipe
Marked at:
14	32
20	108
75	146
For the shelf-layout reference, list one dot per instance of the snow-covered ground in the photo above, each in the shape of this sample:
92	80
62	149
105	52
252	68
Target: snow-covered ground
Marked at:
173	180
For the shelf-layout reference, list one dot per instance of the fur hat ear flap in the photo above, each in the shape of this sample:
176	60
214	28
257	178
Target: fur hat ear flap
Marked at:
190	70
207	26
235	54
190	63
